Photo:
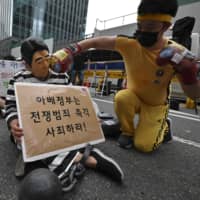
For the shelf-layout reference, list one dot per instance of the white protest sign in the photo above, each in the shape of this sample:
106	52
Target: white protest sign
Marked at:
55	119
7	71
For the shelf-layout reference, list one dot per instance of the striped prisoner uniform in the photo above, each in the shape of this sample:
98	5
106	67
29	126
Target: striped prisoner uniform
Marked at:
59	163
27	77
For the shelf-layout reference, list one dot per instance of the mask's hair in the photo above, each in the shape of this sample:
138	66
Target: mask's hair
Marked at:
29	46
169	7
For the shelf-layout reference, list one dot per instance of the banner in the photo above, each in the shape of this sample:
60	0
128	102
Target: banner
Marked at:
7	71
55	119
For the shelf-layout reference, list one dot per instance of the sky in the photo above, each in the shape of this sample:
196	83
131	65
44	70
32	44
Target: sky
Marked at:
108	9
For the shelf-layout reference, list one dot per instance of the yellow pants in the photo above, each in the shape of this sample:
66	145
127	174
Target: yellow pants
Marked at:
150	130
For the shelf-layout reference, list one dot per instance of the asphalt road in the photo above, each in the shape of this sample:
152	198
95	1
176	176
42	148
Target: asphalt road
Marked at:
170	173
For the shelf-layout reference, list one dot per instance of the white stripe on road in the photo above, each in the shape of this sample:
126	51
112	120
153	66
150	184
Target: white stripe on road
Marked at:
105	101
188	142
174	114
183	113
184	117
171	112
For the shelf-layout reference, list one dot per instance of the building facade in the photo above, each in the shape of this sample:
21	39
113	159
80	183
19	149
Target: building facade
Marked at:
6	18
62	20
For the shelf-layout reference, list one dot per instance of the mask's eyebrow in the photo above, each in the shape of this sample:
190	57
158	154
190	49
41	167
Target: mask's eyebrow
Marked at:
40	58
46	56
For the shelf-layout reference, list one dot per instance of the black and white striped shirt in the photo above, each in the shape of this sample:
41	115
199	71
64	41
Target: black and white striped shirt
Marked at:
27	77
61	163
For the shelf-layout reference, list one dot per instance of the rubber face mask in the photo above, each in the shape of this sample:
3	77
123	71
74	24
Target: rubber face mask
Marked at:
146	39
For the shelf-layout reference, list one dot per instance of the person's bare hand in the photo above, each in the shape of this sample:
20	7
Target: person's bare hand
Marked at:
16	131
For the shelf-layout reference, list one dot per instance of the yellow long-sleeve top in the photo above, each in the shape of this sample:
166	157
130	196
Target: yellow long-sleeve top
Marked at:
149	81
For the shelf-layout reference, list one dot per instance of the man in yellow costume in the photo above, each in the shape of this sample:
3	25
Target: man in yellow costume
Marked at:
151	60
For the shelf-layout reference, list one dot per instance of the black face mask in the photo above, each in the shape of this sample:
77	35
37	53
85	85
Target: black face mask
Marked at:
146	39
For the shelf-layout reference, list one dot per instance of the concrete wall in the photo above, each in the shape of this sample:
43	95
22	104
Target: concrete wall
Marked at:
192	10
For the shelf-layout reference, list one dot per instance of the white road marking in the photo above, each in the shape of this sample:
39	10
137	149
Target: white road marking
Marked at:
178	114
188	142
171	112
183	113
184	117
105	101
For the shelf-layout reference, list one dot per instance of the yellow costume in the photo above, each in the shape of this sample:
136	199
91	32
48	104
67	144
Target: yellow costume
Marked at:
146	94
